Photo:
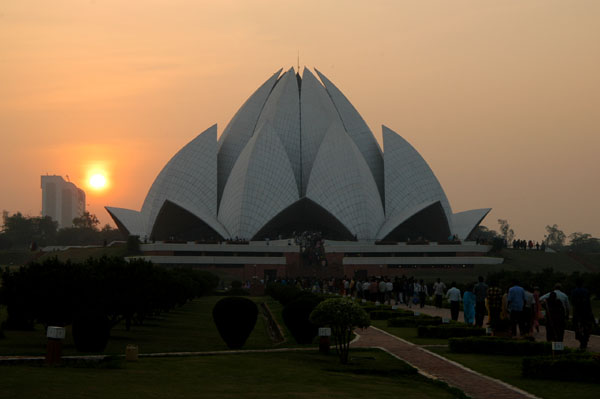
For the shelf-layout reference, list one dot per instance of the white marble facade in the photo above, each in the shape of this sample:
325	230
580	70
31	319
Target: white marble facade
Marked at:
294	138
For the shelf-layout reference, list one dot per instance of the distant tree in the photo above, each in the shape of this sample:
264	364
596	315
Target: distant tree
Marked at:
584	242
484	233
505	231
86	221
555	237
22	231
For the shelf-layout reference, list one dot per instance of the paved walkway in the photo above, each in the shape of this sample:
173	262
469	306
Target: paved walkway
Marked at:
434	366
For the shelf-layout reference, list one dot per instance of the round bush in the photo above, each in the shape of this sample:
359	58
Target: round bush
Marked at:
235	318
296	317
91	332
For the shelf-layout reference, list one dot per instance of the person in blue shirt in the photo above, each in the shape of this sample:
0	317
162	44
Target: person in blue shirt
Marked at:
516	301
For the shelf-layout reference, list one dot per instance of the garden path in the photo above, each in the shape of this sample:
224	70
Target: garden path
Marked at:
431	365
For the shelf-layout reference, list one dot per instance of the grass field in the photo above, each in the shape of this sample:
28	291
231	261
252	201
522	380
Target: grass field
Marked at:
187	329
508	369
371	374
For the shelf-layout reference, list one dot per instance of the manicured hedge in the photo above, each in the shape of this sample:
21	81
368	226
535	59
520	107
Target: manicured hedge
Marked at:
387	314
583	367
449	331
499	346
296	317
414	321
235	318
373	308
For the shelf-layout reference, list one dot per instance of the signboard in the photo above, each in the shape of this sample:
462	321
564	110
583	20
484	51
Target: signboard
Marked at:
395	307
557	346
445	320
55	332
324	332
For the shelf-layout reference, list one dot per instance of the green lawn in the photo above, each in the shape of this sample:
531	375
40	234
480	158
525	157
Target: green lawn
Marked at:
508	369
371	374
187	329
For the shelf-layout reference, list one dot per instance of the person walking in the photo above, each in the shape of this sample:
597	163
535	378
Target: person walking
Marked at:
453	296
422	292
494	300
480	290
555	318
438	290
515	303
583	318
469	307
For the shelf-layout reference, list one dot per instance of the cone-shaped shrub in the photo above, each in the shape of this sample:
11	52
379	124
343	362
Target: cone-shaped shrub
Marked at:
296	317
235	318
91	331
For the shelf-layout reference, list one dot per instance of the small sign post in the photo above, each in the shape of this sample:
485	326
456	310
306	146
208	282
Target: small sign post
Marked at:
324	340
55	337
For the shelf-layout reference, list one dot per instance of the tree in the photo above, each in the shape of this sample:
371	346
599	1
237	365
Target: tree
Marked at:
555	237
86	221
505	231
584	242
483	233
342	315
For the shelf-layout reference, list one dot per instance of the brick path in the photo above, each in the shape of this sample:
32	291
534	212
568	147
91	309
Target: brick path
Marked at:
434	366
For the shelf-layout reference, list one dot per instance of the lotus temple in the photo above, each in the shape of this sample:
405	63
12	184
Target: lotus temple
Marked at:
297	185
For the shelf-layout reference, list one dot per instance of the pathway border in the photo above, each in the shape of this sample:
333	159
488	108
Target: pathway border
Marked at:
426	373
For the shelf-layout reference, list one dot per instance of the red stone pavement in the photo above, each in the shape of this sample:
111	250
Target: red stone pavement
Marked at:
434	366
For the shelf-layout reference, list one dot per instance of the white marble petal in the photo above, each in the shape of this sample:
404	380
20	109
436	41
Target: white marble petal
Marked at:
358	130
188	179
282	112
262	184
465	222
240	129
317	114
409	181
129	219
342	183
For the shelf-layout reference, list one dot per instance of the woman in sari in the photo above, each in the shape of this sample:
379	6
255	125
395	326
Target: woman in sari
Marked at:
469	307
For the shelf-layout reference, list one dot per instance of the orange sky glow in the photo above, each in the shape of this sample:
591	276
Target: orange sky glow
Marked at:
502	99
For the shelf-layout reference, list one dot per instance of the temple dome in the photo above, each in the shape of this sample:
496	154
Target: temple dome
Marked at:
296	156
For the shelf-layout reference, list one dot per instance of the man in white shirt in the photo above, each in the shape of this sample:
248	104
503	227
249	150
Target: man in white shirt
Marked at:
438	290
453	296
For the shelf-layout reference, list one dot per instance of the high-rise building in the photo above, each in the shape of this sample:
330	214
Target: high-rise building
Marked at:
62	200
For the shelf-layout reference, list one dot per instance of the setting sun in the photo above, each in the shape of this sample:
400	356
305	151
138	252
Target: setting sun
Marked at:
97	181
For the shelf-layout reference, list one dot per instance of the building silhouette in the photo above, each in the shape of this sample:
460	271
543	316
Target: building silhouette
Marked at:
61	200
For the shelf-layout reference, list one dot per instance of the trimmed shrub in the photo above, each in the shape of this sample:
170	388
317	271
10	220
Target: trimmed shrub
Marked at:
296	317
583	367
387	314
235	318
414	321
91	331
373	308
342	315
449	331
284	294
499	346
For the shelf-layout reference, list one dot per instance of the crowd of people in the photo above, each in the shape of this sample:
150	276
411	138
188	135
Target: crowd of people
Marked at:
520	309
528	245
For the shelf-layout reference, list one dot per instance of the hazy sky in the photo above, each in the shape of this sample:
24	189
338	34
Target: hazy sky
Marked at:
501	98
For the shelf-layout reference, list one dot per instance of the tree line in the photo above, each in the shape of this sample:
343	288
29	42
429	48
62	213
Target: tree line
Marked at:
101	292
20	232
554	238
